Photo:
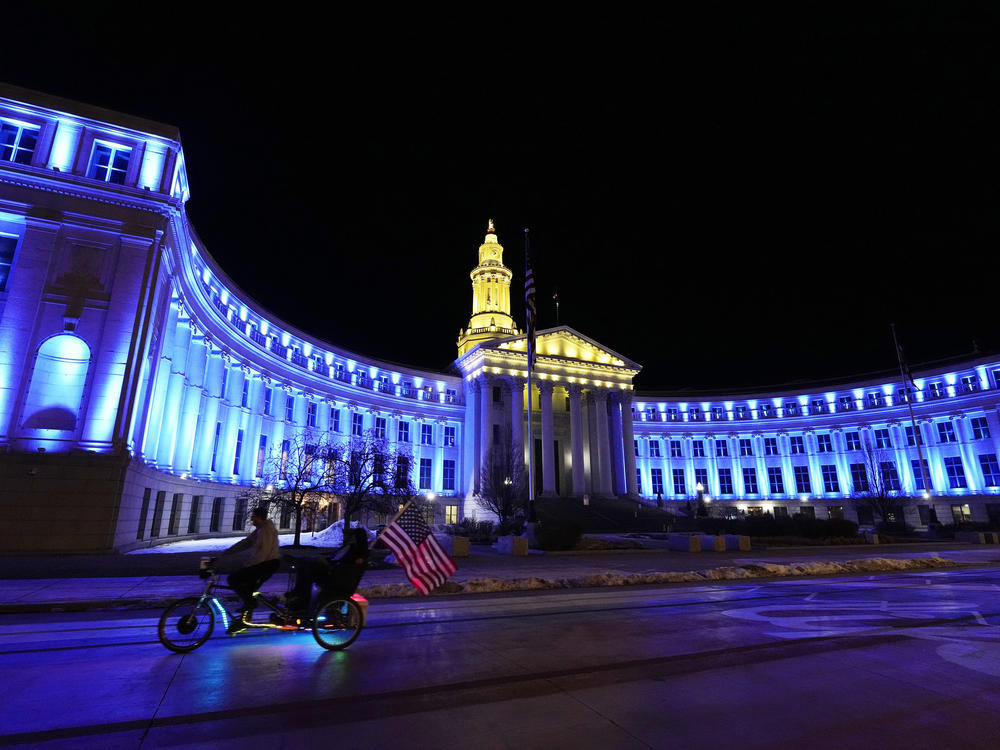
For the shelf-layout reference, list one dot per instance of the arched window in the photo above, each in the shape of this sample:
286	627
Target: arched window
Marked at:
57	382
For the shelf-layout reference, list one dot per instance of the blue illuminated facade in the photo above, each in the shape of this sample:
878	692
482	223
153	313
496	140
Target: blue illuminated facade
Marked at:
139	386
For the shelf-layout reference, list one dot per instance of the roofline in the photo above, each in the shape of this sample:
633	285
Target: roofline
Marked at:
89	111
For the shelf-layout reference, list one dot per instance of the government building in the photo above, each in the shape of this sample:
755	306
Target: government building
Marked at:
141	390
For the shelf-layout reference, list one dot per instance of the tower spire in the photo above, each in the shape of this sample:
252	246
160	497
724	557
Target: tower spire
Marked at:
490	296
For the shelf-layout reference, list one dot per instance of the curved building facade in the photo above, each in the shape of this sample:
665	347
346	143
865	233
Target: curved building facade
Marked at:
141	389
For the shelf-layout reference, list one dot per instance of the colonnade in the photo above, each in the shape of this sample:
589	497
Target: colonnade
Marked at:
600	435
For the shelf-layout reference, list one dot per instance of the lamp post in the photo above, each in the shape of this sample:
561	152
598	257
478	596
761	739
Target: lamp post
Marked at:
700	489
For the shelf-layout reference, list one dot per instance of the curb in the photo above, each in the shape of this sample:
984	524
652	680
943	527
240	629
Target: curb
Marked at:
716	576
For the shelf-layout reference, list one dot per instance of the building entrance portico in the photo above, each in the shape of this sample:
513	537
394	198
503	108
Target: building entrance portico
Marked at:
581	412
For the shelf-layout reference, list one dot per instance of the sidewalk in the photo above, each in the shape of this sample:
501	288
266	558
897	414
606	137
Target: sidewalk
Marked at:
98	582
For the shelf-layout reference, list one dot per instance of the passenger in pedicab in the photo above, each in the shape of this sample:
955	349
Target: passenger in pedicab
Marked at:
339	573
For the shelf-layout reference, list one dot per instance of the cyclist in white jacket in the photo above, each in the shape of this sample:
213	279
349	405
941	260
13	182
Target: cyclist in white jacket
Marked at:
265	557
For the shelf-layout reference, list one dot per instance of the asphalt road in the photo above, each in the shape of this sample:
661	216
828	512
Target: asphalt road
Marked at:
893	661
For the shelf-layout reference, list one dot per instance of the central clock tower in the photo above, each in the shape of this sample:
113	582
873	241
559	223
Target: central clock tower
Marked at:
490	297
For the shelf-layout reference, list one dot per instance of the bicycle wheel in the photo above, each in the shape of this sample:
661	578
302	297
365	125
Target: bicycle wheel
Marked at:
186	624
337	623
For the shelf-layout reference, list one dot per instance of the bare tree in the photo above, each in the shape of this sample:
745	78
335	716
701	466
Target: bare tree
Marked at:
878	486
503	484
297	477
370	475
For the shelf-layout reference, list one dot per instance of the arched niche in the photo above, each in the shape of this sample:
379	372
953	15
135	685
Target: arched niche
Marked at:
57	382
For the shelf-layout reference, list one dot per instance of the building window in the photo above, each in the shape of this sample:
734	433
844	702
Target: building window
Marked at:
403	431
240	514
991	469
890	477
451	514
215	444
771	446
802	484
698	448
673	414
798	445
791	410
882	438
846	403
824	444
449	435
449	474
721	448
766	411
215	523
334	419
970	384
876	399
780	511
109	162
836	512
701	477
694	414
244	397
17	141
818	406
775	481
946	432
638	481
173	524
937	390
741	412
286	447
380	428
161	498
859	478
425	473
290	408
919	472
910	441
956	473
750	481
427	434
267	401
904	395
635	446
144	512
676	451
746	447
830	481
654	448
853	440
357	424
679	488
718	414
980	428
239	450
7	246
311	414
657	479
961	513
725	481
261	455
193	520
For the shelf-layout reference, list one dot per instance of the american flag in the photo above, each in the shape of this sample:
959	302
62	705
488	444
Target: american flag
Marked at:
529	300
424	561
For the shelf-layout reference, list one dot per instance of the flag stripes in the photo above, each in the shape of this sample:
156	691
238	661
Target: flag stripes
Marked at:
424	561
529	300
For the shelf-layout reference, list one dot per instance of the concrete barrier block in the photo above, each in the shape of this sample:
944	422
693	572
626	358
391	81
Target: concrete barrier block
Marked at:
713	543
684	542
459	546
737	542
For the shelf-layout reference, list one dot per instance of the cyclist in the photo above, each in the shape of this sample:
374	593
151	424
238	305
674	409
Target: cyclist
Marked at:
339	572
262	564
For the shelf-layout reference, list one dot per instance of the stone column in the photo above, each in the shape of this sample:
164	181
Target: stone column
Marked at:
600	398
615	444
545	389
190	407
576	438
516	386
485	423
205	440
180	339
628	442
963	431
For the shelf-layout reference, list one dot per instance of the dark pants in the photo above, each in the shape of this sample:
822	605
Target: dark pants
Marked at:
249	579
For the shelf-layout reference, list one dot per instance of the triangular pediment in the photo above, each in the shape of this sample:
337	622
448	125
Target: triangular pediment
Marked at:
557	348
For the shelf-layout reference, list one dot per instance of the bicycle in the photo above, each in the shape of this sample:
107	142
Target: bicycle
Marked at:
336	621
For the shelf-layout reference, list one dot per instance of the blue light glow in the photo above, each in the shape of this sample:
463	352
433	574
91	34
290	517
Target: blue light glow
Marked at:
57	383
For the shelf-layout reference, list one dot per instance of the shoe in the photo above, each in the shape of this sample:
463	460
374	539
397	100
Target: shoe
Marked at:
238	625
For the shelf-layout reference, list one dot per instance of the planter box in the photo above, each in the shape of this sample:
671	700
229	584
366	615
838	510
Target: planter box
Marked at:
971	537
512	545
459	546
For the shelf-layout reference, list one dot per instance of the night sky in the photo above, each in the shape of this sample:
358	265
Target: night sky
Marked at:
729	208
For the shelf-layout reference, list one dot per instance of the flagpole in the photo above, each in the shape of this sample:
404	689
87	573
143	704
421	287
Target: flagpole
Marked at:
401	512
529	349
909	403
